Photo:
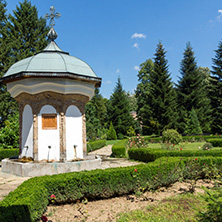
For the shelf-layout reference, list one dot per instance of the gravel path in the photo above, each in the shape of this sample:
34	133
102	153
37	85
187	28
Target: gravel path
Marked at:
9	182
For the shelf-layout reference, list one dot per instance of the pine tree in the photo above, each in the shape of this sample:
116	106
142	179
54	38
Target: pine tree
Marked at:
192	92
216	90
21	35
193	124
161	99
119	111
111	134
142	96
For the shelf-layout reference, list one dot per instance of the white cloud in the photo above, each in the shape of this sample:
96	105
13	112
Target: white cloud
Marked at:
136	45
220	15
117	71
107	82
137	68
138	35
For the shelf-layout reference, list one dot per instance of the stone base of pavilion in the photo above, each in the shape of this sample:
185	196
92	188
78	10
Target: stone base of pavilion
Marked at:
33	169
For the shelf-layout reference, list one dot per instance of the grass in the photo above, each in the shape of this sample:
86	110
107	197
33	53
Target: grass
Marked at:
111	142
180	208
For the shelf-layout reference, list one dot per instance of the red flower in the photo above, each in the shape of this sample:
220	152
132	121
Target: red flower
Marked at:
52	196
204	163
173	144
181	148
196	159
44	218
135	170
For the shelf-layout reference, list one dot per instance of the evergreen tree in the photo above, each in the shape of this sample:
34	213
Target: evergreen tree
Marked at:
119	111
161	99
193	124
111	134
216	90
142	96
21	35
192	92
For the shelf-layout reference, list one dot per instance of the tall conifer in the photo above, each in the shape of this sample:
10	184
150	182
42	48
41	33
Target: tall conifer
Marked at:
192	92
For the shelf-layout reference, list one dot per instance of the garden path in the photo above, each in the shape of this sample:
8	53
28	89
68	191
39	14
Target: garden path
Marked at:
10	182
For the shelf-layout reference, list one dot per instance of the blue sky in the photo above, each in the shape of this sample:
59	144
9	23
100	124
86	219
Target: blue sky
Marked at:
115	36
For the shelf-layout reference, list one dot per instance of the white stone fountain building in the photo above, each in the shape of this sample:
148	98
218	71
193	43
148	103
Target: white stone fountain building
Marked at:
52	89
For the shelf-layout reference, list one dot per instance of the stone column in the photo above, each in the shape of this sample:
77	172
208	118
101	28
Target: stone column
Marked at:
35	136
20	128
84	136
62	136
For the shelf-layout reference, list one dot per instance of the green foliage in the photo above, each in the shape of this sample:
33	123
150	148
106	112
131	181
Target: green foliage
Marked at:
215	142
111	134
192	93
136	142
95	145
131	131
149	155
119	149
119	110
29	200
214	206
171	136
207	146
9	135
216	90
193	124
7	153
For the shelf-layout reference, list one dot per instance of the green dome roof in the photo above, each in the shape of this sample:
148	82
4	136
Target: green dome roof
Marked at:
51	61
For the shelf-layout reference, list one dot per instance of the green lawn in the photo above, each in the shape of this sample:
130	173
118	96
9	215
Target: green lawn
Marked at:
179	208
111	142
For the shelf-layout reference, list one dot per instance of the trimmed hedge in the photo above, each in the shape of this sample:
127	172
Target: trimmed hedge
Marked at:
29	201
215	142
95	145
119	149
150	155
6	153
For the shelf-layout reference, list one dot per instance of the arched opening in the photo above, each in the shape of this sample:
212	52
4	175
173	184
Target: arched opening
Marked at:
48	134
74	140
27	132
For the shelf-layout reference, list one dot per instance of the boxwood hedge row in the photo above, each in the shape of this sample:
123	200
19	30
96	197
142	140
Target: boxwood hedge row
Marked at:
215	142
149	155
29	201
119	149
6	153
95	145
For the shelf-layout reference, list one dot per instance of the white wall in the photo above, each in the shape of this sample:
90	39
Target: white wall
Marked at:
48	137
27	132
73	132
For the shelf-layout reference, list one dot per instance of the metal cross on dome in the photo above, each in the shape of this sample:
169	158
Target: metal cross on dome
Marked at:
52	15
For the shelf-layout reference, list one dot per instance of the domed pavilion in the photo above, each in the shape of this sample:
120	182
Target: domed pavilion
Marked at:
52	89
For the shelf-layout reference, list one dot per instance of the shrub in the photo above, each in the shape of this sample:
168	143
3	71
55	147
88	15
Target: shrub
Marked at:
207	146
215	142
119	149
111	134
149	155
30	199
95	145
6	153
136	142
171	136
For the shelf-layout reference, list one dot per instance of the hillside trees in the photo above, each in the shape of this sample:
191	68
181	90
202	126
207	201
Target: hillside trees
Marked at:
192	92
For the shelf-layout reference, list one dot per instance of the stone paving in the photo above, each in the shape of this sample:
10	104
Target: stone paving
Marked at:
10	182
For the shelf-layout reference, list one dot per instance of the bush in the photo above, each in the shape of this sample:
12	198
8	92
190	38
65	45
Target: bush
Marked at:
215	142
95	145
30	199
6	153
149	155
207	146
111	134
171	136
119	149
